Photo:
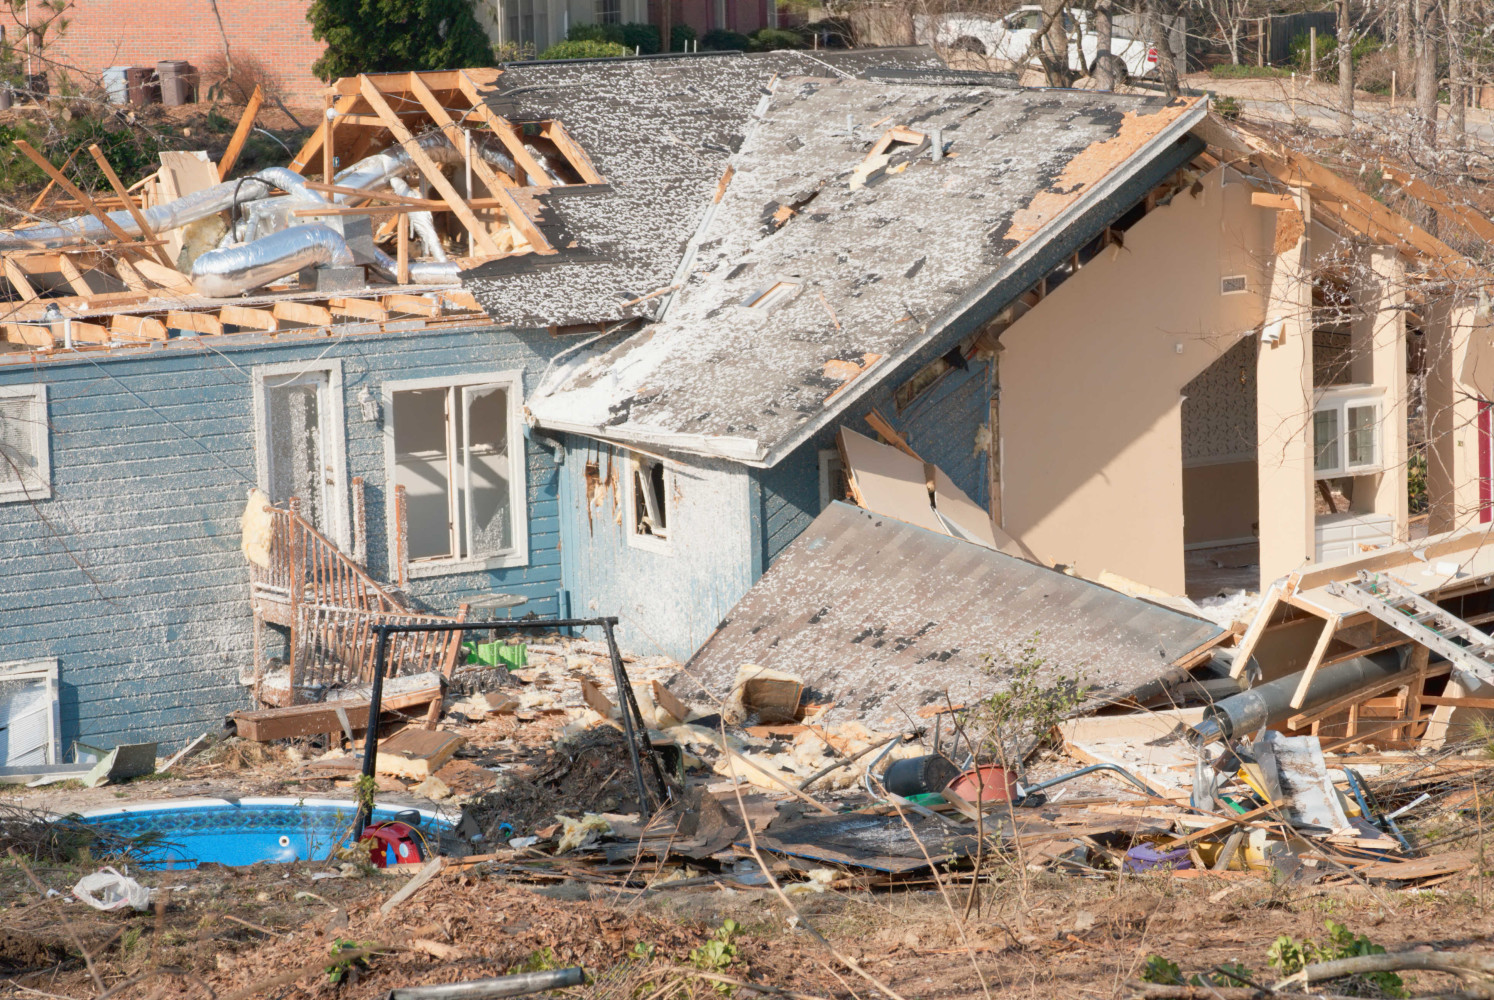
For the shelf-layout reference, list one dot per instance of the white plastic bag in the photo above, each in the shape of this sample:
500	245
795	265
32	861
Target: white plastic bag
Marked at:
114	891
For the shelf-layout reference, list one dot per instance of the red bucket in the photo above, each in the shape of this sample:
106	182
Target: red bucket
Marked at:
985	784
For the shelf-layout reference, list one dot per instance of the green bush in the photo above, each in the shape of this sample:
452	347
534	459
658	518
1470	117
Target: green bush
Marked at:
1328	54
1229	71
680	37
1288	956
773	39
131	153
382	36
1226	107
721	40
587	49
640	38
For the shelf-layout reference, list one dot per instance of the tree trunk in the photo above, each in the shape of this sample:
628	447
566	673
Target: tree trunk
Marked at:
1346	66
1426	67
1167	67
1405	57
1457	89
1055	44
1104	28
1234	42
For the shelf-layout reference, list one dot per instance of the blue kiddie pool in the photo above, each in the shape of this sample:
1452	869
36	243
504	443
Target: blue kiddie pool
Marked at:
186	832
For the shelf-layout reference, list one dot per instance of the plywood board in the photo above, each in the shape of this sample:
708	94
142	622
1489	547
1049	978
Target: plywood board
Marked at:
887	481
416	753
182	174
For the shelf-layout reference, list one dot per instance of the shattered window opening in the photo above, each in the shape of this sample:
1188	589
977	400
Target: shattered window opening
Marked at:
456	453
28	713
835	482
650	502
25	469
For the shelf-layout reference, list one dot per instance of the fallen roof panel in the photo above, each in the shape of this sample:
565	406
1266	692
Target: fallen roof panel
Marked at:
882	617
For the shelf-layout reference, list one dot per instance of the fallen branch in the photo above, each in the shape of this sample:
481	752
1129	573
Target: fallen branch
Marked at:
1152	991
776	991
1478	969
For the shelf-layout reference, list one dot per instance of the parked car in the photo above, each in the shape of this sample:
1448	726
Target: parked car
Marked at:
1009	38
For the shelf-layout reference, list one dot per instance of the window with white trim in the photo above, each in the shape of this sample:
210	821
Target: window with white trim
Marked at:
1346	432
28	713
457	449
25	459
649	498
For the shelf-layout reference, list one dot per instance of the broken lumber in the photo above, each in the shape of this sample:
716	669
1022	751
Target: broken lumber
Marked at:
416	754
267	724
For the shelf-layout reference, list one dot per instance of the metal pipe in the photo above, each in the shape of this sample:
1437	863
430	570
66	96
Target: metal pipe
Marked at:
371	740
162	218
234	270
1268	704
396	162
1025	790
422	272
489	989
631	713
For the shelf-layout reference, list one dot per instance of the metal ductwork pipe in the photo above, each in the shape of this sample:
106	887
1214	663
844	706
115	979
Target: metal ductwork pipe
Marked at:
162	218
422	272
1270	704
395	162
234	270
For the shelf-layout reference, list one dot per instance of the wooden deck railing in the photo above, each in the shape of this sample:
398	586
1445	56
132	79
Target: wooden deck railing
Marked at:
332	605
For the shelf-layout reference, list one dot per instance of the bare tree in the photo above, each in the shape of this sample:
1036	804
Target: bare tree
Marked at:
1404	40
1160	28
1346	65
1457	95
1426	67
1053	49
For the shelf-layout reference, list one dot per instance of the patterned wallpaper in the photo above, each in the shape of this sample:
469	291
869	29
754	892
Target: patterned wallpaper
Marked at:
1219	407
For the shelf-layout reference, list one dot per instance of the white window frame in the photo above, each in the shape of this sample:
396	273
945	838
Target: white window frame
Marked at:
334	437
41	442
40	669
1340	399
828	458
1244	280
652	543
511	381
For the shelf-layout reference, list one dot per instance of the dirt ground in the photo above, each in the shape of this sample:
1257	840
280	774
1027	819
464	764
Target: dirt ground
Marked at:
249	932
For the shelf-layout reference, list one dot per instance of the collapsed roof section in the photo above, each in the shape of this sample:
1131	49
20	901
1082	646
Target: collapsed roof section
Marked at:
859	222
885	617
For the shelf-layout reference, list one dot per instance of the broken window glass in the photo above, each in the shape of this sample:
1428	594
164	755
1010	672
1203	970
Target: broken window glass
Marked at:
298	463
650	498
26	722
24	472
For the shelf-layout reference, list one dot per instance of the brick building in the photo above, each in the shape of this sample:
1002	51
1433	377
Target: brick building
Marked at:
101	33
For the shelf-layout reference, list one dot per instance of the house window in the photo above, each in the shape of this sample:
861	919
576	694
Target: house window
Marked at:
835	484
28	713
1346	433
457	450
609	11
25	461
650	502
299	442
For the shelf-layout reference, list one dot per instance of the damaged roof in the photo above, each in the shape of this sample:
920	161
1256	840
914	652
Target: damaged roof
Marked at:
867	256
879	615
661	132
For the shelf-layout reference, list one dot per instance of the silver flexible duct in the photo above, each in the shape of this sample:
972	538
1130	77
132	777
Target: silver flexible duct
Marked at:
162	218
395	162
423	223
232	271
422	272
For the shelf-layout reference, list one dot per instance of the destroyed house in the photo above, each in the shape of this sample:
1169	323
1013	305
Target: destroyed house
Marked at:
1106	333
148	385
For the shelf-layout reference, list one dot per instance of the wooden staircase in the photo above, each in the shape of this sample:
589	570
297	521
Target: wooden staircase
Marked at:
331	606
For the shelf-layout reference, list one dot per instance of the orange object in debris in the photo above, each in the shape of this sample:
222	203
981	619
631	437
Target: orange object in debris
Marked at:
985	784
393	844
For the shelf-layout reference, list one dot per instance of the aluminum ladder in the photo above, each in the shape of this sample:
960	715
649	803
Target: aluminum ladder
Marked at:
1420	620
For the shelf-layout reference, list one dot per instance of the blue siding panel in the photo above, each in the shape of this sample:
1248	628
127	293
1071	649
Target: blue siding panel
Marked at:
131	574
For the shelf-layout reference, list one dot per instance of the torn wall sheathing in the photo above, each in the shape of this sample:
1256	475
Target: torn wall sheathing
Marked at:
881	268
661	131
880	616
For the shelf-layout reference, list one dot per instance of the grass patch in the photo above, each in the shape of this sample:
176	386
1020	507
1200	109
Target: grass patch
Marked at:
1230	71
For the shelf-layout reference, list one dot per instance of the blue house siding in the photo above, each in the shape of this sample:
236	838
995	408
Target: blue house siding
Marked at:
131	573
669	602
941	425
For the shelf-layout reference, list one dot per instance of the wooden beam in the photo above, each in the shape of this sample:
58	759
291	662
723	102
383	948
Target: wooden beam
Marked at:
881	426
1485	704
313	145
1280	202
557	134
402	249
369	309
241	133
17	279
197	322
75	279
496	188
46	192
146	233
1256	630
398	83
30	334
428	167
462	300
126	326
414	305
303	312
166	277
77	192
254	319
1355	698
1316	659
1423	192
507	134
90	333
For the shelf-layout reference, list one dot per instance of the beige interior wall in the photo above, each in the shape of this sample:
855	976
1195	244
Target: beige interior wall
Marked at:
1452	414
1090	384
1219	502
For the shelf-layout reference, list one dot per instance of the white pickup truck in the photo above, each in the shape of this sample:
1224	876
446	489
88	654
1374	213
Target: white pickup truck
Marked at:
1009	38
